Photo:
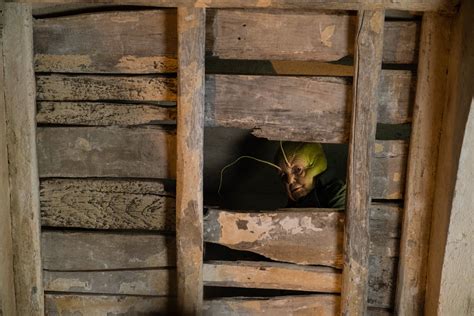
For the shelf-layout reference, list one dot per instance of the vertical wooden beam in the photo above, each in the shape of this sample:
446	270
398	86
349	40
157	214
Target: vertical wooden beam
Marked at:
7	288
449	287
422	160
367	69
20	94
190	145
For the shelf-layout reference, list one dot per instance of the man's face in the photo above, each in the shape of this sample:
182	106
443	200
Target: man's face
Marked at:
298	181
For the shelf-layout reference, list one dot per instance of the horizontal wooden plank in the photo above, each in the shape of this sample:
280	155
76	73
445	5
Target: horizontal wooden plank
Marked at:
110	305
106	152
106	204
265	103
56	87
121	45
300	35
389	170
159	282
100	113
63	251
382	281
112	42
271	275
316	304
289	235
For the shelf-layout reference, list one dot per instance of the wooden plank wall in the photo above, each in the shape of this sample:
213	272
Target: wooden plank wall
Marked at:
107	145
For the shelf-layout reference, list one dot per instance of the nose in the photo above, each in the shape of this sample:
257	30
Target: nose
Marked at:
290	178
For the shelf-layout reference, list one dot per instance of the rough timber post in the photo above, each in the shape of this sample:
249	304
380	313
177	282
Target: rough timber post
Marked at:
19	94
422	160
367	69
189	210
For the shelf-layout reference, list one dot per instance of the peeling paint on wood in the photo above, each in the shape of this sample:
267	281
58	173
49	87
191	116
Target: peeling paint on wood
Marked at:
106	204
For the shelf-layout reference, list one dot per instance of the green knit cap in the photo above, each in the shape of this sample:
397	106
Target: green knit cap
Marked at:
311	153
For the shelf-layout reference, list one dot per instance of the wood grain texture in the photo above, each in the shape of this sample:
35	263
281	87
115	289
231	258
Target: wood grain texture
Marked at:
123	46
111	305
368	66
106	204
79	251
415	5
101	152
450	274
382	281
122	42
230	101
190	158
56	87
430	100
271	275
158	282
24	187
299	35
7	290
316	304
288	235
102	114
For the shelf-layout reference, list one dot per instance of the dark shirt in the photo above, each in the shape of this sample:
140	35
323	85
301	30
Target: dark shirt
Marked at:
329	192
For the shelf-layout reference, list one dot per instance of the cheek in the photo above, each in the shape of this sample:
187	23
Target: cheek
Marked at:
307	182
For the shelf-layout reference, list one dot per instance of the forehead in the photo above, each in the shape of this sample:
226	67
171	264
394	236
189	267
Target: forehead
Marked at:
295	161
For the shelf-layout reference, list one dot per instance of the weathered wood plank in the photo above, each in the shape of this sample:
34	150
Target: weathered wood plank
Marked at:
317	304
7	290
19	94
382	281
56	87
122	42
285	235
190	158
100	113
389	170
414	5
123	46
110	305
159	282
271	275
101	152
299	35
430	101
63	251
288	235
367	72
229	102
106	204
449	289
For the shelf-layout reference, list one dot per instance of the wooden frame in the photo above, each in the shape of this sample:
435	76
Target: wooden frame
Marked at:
19	97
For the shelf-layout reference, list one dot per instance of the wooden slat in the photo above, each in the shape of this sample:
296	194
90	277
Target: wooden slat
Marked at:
63	251
122	42
190	158
112	305
415	5
389	170
289	235
105	88
7	290
231	101
100	113
368	64
19	94
317	304
431	98
106	152
382	281
159	282
271	275
300	35
106	204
